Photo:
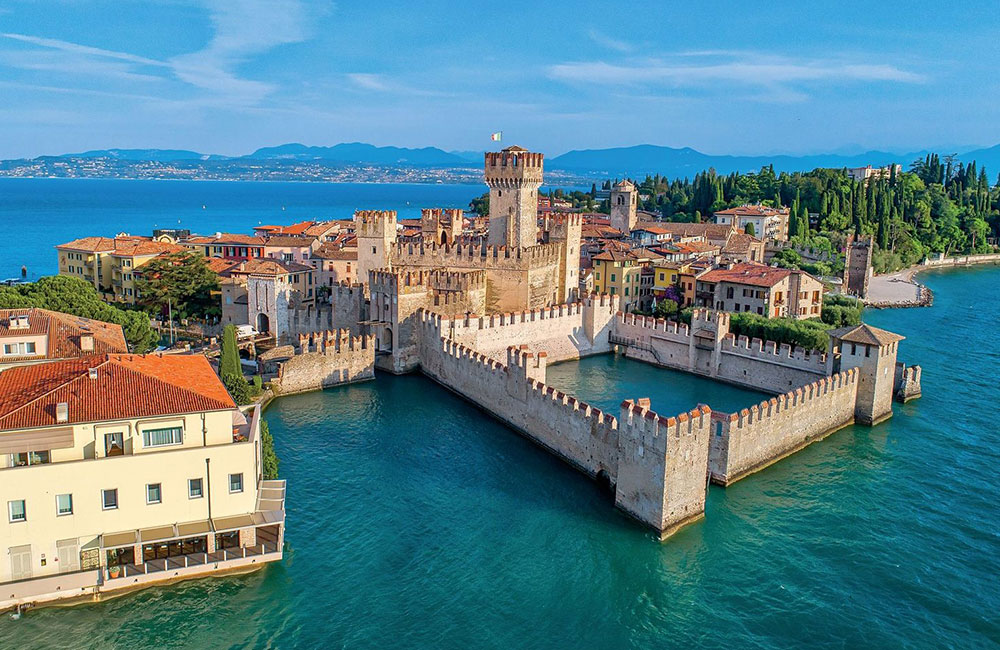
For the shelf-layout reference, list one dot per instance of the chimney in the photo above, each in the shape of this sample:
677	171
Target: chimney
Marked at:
62	412
87	342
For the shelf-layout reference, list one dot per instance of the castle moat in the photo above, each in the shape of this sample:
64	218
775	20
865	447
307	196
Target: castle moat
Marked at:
415	520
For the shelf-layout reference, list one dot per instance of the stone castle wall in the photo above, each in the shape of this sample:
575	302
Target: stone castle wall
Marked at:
564	332
326	359
757	364
744	442
515	278
657	465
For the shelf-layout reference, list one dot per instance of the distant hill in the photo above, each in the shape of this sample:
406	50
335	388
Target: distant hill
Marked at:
651	159
159	155
359	152
633	161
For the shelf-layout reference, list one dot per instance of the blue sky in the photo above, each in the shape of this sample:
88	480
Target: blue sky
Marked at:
229	76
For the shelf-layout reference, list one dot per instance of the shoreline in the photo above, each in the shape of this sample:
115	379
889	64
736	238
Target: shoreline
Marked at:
902	289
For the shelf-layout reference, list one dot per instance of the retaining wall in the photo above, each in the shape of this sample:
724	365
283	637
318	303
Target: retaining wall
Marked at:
326	359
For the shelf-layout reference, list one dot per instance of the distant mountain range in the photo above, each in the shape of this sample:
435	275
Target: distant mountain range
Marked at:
651	159
633	161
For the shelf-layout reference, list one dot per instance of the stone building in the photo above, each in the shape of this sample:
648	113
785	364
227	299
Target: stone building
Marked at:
858	266
624	205
521	271
764	290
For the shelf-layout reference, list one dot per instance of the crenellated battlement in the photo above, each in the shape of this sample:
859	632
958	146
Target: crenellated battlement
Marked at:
807	359
334	342
652	426
513	168
375	223
754	437
485	257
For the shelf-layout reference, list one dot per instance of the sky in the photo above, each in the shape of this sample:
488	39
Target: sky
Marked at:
230	76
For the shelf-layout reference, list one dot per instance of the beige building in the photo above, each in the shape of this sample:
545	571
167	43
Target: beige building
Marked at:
109	263
30	336
119	471
764	290
768	223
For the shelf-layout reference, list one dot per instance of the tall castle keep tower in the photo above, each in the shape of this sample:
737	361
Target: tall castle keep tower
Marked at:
858	266
624	206
376	233
513	176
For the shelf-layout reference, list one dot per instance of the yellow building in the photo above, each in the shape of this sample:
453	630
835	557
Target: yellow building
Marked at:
619	272
119	471
109	263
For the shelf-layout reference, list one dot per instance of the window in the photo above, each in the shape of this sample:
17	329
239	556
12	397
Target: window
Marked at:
162	437
21	459
194	488
153	493
16	511
19	348
612	277
109	499
64	504
236	482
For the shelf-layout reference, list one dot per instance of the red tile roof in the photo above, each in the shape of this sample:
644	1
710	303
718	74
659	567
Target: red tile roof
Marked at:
289	241
330	251
752	211
756	275
267	266
64	332
126	386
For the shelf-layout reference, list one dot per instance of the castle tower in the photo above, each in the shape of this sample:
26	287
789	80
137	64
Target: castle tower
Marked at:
513	176
441	226
873	352
376	233
858	266
624	204
566	230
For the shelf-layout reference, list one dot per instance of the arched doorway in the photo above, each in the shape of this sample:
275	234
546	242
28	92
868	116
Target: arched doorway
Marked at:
385	339
263	324
604	482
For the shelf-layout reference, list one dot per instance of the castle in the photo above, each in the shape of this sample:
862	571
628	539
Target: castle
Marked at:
484	319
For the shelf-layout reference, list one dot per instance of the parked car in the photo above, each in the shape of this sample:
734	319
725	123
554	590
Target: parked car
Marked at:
246	332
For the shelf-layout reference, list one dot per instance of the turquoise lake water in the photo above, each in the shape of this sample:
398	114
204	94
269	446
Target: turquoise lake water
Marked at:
416	521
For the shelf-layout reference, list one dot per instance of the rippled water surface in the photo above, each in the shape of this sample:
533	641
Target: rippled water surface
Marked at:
416	521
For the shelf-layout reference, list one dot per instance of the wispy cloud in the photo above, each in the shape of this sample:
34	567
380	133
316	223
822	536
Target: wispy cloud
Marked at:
725	70
242	30
368	81
604	40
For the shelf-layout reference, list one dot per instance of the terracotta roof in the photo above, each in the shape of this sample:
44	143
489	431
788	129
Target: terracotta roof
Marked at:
131	247
330	251
739	242
126	386
866	334
656	230
752	211
90	244
294	229
707	230
262	266
756	275
321	228
695	247
64	332
289	241
227	238
220	266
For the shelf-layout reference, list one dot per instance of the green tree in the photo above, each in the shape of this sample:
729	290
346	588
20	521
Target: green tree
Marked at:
750	230
481	204
269	459
184	281
78	297
230	370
